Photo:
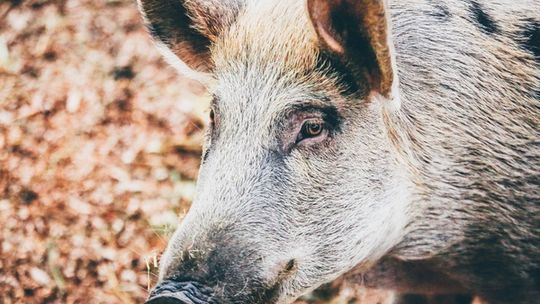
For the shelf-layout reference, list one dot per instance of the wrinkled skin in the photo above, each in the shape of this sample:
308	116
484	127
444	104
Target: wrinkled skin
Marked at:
398	176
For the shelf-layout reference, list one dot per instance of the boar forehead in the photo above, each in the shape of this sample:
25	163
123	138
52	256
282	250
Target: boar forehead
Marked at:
273	34
270	56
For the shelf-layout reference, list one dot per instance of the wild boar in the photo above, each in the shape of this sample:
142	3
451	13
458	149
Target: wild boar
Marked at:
395	143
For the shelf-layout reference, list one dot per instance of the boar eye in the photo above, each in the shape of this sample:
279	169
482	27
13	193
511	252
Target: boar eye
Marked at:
311	129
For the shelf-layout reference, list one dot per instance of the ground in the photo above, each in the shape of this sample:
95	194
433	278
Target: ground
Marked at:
99	149
99	152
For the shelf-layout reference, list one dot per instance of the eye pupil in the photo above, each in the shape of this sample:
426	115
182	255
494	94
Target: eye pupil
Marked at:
312	129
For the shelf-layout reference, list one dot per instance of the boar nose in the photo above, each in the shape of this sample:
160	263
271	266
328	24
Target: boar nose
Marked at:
167	299
175	292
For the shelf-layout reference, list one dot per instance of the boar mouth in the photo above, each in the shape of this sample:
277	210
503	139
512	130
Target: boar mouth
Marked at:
192	292
174	292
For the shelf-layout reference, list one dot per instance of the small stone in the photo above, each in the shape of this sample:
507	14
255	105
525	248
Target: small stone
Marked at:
128	275
40	276
4	53
160	174
167	218
129	156
125	72
27	196
108	253
73	101
154	146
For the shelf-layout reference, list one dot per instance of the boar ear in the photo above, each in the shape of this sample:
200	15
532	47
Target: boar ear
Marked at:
358	32
185	29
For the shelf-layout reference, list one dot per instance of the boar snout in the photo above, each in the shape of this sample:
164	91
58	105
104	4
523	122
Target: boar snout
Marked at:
221	268
176	292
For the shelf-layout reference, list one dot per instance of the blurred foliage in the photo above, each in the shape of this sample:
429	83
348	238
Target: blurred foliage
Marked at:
93	174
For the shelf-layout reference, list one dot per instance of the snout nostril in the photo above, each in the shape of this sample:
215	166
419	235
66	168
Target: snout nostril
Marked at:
174	291
166	299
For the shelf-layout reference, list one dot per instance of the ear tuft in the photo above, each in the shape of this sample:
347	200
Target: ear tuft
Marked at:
186	29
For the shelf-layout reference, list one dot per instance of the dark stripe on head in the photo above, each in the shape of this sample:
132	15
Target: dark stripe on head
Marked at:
482	19
531	38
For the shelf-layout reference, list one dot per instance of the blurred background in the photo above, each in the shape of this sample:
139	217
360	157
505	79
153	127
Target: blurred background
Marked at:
99	149
99	152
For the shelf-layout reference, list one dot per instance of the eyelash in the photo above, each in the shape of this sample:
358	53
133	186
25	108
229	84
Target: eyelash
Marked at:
311	128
